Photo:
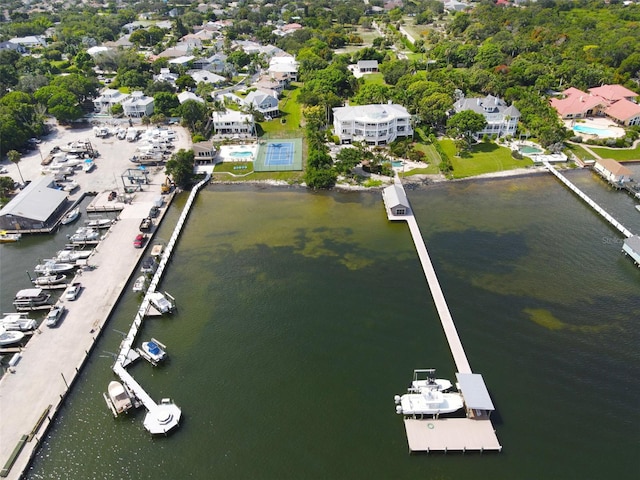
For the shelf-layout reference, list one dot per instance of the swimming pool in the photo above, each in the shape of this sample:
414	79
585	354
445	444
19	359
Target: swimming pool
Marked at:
397	164
526	149
241	154
600	132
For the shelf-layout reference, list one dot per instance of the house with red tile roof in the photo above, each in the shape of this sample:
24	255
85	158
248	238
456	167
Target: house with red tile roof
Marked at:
613	101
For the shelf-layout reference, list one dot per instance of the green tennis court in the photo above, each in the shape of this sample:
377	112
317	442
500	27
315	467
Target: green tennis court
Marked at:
278	155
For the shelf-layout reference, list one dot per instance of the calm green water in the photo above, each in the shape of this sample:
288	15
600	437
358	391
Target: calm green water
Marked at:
301	315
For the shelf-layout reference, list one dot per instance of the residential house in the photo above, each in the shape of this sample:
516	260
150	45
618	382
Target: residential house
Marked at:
12	46
108	98
166	75
184	96
287	29
267	83
612	171
138	105
204	153
367	66
182	61
265	102
284	64
502	119
206	77
30	41
395	201
376	124
614	101
215	63
232	122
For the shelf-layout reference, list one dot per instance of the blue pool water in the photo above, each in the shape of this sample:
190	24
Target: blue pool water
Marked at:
527	149
601	132
397	164
240	154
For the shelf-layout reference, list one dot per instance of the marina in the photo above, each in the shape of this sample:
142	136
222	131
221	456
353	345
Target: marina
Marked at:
451	436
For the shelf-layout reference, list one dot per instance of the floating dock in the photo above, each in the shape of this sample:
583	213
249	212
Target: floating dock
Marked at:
475	432
162	417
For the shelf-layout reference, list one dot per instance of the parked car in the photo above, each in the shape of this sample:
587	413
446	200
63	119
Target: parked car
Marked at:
153	213
73	291
145	224
140	240
54	315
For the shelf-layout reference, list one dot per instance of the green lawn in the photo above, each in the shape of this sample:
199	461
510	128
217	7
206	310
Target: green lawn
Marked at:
618	154
580	152
483	158
291	112
375	78
431	156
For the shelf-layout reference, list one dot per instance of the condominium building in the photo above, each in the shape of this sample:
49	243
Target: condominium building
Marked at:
139	105
372	124
232	122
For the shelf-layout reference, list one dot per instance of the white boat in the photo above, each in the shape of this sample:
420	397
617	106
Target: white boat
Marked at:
85	234
18	322
70	186
153	351
425	379
88	165
6	237
51	267
638	207
118	398
99	223
70	216
140	284
160	302
50	279
9	337
29	298
428	402
72	255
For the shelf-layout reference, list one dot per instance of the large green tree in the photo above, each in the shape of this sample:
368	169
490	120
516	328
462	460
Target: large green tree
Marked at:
465	124
180	168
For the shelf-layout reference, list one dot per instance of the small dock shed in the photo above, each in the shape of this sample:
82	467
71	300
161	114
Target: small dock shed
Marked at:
475	394
612	171
395	201
631	247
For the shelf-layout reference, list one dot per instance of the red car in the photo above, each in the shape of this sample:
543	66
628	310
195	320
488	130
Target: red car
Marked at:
139	240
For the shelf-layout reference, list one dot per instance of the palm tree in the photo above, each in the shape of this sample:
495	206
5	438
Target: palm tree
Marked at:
14	157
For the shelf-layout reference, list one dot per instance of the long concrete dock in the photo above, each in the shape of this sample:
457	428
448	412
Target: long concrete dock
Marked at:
475	432
164	416
597	208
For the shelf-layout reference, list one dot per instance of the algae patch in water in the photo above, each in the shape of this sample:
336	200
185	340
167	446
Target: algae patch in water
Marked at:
546	319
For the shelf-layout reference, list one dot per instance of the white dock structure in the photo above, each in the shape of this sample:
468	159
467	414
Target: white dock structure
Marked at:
475	432
616	224
164	416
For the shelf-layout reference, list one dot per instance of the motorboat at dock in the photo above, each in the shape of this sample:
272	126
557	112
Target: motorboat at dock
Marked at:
119	398
52	267
161	303
428	402
425	379
140	284
9	337
6	237
18	321
70	216
85	234
47	280
99	223
71	256
153	351
31	299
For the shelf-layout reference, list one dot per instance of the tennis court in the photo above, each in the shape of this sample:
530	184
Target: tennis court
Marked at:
279	155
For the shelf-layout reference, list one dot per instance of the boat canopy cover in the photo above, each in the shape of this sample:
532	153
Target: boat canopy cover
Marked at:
153	348
474	391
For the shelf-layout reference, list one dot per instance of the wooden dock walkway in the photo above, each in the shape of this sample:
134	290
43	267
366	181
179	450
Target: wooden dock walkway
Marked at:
127	352
603	213
475	432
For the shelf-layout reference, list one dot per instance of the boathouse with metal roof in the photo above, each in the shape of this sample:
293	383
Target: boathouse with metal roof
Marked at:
38	206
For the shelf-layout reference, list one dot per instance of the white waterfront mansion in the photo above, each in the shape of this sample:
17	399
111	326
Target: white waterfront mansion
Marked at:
502	119
373	124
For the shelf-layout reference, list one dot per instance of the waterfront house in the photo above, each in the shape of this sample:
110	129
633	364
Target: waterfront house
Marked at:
377	124
612	171
39	205
232	122
204	153
502	119
395	201
138	105
614	101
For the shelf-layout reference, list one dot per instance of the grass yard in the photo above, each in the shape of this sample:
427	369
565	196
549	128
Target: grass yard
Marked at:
580	152
483	158
431	156
374	78
291	113
224	172
618	154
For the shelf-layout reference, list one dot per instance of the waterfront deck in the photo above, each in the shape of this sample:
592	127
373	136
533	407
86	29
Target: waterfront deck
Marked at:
475	432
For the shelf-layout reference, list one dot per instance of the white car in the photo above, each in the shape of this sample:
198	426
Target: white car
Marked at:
73	291
54	315
3	170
